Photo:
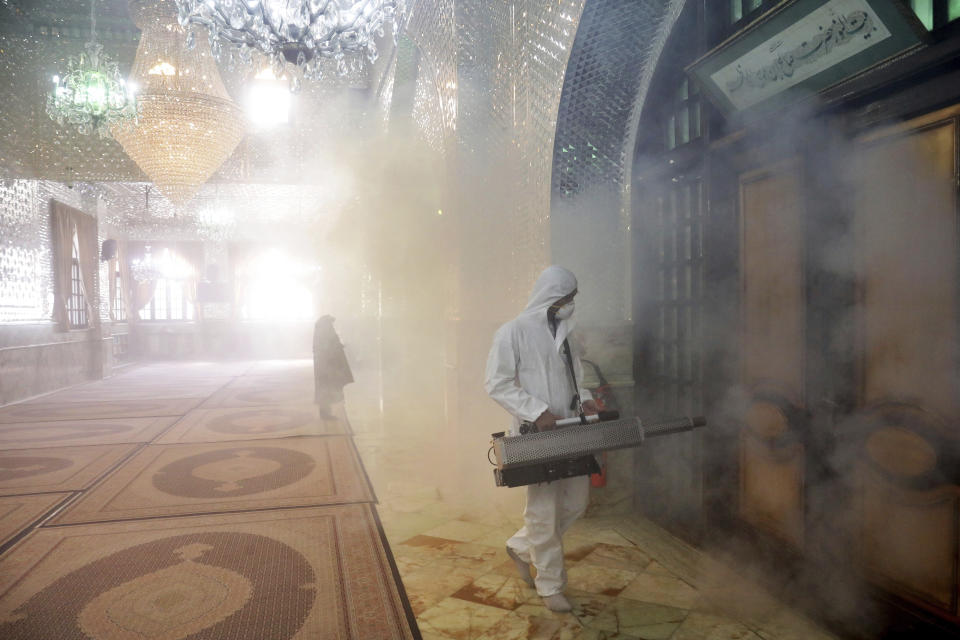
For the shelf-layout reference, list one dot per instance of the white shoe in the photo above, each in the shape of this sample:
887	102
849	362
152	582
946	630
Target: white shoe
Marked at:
557	602
523	568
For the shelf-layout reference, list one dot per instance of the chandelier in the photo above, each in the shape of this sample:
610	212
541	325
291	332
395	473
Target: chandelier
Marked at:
143	270
215	223
91	95
188	124
301	32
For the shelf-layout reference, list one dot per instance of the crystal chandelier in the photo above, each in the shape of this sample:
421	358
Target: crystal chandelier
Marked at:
301	32
143	270
215	223
91	95
188	124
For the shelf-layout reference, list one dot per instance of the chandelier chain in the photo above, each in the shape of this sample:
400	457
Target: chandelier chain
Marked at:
91	95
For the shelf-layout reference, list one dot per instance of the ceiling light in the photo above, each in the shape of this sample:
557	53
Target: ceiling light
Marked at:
301	32
162	69
268	100
91	94
188	124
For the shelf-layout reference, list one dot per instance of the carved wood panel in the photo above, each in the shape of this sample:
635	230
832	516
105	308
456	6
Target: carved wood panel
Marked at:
772	487
909	539
772	325
906	252
772	280
907	248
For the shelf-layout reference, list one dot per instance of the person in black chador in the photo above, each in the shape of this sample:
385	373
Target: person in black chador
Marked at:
331	371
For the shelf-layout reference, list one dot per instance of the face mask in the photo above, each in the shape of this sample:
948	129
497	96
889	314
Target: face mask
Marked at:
565	311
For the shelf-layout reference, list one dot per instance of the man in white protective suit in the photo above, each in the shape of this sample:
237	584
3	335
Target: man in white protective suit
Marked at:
530	373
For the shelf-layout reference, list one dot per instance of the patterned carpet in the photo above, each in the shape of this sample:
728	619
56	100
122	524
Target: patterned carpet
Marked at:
160	372
91	410
282	368
276	380
245	396
137	390
163	480
28	435
251	517
18	512
24	471
249	423
303	573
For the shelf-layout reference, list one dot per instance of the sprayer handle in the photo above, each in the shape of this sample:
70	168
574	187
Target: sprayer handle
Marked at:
603	416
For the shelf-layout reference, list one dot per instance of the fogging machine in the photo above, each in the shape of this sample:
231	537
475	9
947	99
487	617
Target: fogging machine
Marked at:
567	451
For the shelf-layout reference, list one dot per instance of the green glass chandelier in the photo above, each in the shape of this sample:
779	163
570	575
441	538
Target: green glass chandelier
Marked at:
91	95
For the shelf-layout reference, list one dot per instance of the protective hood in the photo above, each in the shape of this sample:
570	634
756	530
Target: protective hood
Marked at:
554	283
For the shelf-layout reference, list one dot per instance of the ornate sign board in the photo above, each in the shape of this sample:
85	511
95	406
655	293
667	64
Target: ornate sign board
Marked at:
801	47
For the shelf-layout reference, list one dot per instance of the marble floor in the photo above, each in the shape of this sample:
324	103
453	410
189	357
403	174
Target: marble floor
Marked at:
628	579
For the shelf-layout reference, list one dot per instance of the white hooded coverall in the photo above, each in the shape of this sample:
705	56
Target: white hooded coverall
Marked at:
528	374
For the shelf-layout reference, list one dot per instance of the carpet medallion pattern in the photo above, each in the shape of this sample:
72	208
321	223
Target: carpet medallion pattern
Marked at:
16	467
160	371
102	392
25	471
163	480
294	574
248	423
225	584
228	473
27	435
92	410
259	396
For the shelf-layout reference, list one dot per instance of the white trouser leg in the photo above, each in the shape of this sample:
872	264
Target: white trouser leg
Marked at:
573	502
551	508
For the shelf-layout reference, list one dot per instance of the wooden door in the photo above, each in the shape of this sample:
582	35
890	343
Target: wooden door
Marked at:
772	339
906	255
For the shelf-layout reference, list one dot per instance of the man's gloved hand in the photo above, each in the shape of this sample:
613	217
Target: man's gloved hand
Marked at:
546	422
590	408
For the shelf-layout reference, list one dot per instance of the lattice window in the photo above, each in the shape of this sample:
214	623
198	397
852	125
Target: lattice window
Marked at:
158	304
677	345
683	122
121	346
932	13
118	308
176	301
171	300
76	307
936	13
740	9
